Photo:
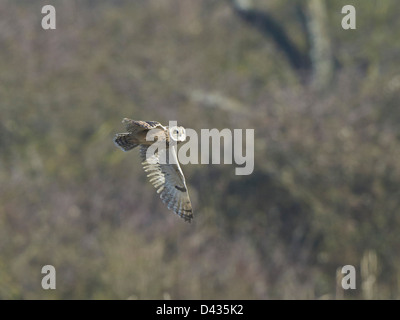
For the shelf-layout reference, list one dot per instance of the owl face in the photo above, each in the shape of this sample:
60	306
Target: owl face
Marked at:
177	133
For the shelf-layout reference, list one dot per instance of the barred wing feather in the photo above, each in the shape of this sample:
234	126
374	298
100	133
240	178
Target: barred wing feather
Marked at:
167	177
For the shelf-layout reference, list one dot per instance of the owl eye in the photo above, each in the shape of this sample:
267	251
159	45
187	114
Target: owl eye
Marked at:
176	131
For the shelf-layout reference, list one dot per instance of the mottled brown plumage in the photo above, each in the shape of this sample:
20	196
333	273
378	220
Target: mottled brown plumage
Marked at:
166	176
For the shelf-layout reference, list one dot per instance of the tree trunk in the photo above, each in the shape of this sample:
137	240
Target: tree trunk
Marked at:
319	39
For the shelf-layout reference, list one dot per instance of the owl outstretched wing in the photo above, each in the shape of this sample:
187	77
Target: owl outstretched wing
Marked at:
135	126
136	133
167	177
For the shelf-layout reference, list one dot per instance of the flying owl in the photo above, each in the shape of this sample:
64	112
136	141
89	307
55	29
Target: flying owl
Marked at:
166	176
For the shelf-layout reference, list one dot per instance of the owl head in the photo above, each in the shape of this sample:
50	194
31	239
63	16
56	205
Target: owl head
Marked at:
177	133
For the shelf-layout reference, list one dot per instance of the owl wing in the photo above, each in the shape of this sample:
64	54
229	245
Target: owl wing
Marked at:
135	126
169	181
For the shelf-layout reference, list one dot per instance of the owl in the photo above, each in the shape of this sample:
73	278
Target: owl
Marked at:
166	176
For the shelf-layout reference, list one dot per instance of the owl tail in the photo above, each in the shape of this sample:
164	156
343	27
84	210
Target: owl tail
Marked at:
125	141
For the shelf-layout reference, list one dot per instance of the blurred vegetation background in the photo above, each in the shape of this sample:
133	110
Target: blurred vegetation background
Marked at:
324	103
